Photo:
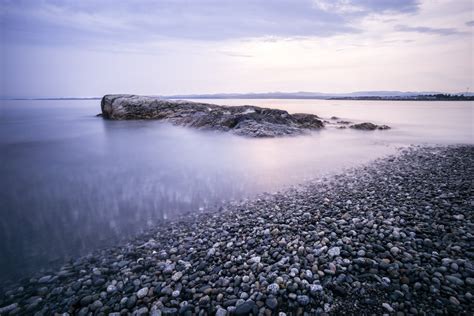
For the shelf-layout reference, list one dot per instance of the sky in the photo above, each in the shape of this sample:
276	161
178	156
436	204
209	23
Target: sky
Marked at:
54	48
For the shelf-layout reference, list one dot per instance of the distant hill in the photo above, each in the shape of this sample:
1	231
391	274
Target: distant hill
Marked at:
318	95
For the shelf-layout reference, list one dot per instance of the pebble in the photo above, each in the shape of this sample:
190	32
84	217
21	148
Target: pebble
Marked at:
96	305
45	279
177	276
455	280
111	288
271	302
245	308
8	308
454	300
203	301
303	300
388	307
395	250
211	252
273	288
86	300
334	251
142	292
141	312
176	294
221	312
315	288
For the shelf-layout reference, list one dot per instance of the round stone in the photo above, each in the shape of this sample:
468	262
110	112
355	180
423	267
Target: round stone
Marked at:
142	292
315	288
271	302
246	308
395	250
175	293
334	251
273	288
221	312
303	300
96	305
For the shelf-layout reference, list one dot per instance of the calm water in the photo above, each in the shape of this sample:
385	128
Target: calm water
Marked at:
71	182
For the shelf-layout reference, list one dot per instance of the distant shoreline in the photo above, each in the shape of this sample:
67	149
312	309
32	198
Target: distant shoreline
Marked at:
49	99
247	97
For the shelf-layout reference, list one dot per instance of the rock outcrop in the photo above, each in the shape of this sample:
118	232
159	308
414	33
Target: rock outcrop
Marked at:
243	120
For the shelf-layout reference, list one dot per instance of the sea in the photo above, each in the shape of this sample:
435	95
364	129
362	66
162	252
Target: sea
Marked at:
72	182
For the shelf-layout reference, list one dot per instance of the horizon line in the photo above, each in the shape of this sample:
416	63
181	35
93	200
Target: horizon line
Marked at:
263	95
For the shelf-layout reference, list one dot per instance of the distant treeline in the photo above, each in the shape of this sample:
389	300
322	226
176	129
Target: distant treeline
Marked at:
424	97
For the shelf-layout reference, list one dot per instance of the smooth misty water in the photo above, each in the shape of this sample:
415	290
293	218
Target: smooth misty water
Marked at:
72	182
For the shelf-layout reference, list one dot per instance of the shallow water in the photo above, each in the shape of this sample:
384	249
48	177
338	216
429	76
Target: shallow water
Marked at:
72	182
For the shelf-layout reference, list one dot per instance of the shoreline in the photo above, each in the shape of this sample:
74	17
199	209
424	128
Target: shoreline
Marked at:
391	236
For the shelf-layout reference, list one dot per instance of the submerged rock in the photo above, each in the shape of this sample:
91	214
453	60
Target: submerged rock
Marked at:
243	120
369	126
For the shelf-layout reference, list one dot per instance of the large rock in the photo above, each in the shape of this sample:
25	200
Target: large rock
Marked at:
243	120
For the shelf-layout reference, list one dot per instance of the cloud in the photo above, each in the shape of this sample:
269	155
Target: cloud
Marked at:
70	47
75	22
233	54
368	6
427	30
470	23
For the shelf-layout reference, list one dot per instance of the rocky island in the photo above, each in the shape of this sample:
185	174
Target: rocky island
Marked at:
245	120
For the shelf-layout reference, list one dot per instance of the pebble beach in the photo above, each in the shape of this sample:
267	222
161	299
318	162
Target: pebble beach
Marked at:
392	237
